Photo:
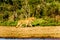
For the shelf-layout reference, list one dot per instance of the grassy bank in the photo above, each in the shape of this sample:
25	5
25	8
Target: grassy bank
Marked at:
13	10
36	22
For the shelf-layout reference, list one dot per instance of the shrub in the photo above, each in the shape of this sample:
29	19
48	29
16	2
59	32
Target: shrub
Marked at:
43	22
6	23
38	22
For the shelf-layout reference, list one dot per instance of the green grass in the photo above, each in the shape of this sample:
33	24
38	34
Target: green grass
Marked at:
37	22
43	22
7	23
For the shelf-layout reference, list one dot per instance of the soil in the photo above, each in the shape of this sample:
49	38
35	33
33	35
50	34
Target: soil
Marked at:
30	32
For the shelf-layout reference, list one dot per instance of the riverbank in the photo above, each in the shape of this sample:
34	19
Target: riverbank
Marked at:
30	32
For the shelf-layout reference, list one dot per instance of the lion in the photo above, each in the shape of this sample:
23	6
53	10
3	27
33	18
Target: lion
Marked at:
57	18
27	22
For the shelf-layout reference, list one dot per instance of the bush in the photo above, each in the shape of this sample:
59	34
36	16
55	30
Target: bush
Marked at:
29	8
6	23
43	22
38	22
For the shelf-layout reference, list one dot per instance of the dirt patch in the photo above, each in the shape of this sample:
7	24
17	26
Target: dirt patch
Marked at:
30	32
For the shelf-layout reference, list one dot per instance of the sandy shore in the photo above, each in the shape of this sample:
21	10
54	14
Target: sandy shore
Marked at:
30	32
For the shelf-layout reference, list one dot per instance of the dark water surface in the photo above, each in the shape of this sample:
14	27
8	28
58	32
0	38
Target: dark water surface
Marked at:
28	39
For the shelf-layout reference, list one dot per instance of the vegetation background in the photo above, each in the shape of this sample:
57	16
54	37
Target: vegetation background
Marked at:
47	12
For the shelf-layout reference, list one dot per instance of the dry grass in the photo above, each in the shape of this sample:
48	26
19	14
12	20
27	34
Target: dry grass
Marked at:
30	32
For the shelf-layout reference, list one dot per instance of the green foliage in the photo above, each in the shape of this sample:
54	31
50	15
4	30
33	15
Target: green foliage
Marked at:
49	1
34	1
29	8
38	22
7	23
43	22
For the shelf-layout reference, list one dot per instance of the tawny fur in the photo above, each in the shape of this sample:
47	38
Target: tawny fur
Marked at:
26	21
57	18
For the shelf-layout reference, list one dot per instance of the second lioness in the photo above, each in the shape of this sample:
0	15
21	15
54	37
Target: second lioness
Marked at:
27	22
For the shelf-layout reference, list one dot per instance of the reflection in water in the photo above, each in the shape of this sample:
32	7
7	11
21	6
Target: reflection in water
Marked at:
28	39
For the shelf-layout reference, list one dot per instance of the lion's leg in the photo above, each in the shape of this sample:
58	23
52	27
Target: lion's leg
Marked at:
18	25
30	24
26	25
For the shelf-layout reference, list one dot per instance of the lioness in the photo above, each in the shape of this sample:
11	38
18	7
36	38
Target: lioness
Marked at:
26	22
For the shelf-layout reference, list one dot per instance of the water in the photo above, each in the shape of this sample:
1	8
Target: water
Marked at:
28	39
